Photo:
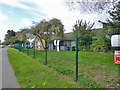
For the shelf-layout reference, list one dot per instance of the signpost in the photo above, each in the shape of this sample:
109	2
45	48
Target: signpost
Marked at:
115	42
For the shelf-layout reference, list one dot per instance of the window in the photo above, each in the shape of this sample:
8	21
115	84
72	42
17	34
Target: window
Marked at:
72	43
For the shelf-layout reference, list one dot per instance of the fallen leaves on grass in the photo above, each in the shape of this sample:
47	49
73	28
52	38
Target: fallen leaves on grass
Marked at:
44	84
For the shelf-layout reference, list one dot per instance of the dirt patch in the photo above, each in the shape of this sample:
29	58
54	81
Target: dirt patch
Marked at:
105	79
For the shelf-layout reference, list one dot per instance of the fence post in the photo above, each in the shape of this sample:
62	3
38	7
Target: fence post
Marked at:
76	58
19	47
27	49
34	49
23	47
46	52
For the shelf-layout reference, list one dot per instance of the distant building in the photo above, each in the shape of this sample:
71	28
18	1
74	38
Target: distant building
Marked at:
66	41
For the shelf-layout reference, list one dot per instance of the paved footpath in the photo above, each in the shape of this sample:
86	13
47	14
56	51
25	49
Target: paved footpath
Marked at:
0	68
8	78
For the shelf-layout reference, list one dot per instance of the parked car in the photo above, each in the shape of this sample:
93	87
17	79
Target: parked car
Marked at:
2	46
8	45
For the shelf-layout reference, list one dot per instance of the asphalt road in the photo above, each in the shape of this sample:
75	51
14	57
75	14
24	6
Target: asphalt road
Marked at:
8	78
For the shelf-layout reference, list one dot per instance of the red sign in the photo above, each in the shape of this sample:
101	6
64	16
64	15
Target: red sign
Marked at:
117	57
38	47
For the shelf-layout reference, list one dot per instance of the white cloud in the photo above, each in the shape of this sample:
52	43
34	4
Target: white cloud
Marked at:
5	27
52	8
57	9
3	31
14	3
2	16
26	22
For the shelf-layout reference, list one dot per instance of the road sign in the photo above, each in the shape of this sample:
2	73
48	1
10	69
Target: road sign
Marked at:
115	41
117	57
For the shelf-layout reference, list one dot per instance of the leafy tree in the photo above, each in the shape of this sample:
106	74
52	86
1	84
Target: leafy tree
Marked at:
83	29
112	26
47	29
13	40
56	27
22	34
101	39
114	22
9	35
115	16
98	44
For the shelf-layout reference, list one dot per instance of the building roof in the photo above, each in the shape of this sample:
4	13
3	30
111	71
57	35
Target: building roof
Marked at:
67	37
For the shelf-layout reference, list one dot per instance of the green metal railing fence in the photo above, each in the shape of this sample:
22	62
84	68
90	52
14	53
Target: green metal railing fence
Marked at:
76	64
29	49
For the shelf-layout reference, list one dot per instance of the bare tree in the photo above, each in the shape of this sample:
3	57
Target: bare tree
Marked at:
90	6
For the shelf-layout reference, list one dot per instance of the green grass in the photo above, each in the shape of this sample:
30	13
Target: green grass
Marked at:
95	69
31	73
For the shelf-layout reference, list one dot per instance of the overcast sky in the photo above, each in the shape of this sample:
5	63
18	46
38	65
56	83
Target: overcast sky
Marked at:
17	14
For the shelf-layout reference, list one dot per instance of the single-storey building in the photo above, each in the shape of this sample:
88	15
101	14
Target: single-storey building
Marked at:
62	43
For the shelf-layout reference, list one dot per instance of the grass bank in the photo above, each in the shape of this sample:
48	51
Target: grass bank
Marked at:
31	73
96	69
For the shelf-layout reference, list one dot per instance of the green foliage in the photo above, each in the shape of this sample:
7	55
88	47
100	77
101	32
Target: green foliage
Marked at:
84	42
115	16
16	37
82	27
22	35
56	27
11	33
114	23
101	41
83	30
10	37
98	44
47	29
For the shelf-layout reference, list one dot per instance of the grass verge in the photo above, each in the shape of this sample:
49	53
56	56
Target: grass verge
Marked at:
31	73
96	69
